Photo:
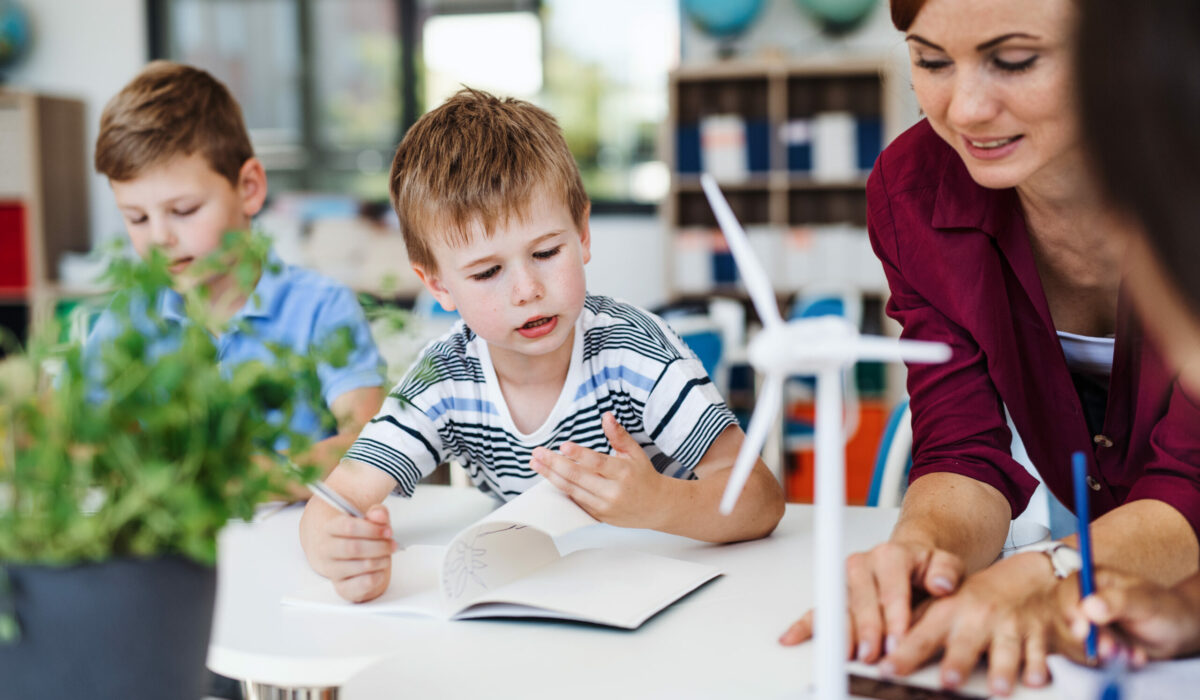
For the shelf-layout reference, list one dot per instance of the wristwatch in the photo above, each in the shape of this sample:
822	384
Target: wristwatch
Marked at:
1064	558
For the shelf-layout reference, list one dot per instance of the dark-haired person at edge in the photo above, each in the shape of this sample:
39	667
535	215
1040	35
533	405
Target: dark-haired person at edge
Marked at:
996	239
1141	106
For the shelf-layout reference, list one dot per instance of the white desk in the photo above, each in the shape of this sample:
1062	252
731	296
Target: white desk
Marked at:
719	642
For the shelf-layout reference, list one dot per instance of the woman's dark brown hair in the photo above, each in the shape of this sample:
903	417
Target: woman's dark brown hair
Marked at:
1139	87
904	12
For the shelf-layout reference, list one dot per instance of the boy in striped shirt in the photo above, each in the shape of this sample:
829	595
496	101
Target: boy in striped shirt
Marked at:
540	379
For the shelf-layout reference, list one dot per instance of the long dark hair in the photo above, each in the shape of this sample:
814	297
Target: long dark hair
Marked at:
1139	85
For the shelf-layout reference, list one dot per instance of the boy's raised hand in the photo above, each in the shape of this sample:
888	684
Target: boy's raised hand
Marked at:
355	554
621	489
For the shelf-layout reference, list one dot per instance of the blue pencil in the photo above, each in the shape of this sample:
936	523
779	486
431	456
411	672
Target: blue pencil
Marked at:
1087	580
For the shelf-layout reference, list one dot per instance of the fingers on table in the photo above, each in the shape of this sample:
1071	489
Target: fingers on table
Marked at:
943	573
800	631
1036	672
867	622
1005	651
893	570
926	638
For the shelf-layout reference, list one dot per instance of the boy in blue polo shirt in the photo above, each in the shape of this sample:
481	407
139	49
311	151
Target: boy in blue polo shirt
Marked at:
177	156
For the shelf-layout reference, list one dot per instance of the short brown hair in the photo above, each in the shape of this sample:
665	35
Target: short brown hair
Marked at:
478	159
171	110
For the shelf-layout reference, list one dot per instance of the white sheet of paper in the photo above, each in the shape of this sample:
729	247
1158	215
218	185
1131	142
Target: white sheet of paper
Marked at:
507	565
622	588
1156	681
543	507
413	589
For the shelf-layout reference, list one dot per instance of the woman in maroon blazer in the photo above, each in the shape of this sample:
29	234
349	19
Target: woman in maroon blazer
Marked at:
995	240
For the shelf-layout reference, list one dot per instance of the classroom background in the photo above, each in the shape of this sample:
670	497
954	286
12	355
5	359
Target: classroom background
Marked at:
786	102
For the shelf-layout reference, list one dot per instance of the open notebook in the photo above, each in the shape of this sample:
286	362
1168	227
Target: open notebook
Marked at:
507	565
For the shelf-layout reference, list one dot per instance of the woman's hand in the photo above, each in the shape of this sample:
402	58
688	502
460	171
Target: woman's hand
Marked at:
1158	622
882	583
1015	611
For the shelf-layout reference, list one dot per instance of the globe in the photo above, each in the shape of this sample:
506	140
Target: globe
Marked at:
722	19
14	34
838	16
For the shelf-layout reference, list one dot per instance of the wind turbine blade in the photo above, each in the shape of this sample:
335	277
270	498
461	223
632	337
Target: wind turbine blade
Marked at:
753	275
881	348
767	408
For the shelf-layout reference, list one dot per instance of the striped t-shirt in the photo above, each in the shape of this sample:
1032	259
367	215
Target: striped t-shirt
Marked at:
623	359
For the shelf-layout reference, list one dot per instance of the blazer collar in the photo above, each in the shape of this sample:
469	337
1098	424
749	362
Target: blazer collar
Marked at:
962	203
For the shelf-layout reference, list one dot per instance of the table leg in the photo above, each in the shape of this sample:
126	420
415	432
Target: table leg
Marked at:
263	691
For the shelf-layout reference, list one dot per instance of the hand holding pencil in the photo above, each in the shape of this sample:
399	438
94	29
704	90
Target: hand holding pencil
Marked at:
1157	622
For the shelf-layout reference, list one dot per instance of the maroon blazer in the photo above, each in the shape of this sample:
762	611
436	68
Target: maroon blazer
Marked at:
961	271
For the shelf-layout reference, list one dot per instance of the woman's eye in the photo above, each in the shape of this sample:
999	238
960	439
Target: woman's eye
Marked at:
543	254
1016	66
486	274
136	220
186	212
932	64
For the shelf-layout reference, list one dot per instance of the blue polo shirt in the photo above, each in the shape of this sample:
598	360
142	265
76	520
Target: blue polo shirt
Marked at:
290	306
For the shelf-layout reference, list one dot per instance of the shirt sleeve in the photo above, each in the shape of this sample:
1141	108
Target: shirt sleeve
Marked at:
684	412
402	439
958	418
1172	474
364	367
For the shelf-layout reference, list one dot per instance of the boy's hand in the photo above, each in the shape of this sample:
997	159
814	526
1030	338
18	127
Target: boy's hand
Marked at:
621	489
1159	622
356	554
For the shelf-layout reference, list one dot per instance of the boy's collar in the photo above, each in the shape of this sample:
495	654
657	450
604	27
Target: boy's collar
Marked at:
259	305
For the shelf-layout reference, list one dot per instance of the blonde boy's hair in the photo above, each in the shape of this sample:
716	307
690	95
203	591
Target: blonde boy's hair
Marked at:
171	110
478	159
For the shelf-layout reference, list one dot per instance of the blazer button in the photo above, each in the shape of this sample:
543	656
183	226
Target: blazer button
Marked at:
1092	483
1102	441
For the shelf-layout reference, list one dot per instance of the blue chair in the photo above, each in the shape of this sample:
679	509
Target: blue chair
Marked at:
893	460
428	307
703	337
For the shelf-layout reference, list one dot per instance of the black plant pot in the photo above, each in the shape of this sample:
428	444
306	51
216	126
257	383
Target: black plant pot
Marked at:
123	629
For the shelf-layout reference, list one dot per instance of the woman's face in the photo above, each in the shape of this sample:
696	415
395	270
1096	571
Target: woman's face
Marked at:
994	77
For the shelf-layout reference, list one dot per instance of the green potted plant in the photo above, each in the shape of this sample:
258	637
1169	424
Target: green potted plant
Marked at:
115	483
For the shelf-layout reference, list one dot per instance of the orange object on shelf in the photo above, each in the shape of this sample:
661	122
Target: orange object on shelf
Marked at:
860	453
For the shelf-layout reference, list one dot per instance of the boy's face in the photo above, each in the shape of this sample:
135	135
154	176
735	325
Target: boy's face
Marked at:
521	289
183	207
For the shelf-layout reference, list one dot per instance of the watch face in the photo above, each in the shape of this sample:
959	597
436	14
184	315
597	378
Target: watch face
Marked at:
1067	559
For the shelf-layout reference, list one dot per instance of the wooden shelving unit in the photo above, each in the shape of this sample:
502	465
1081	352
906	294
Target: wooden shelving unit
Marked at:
805	219
781	194
43	201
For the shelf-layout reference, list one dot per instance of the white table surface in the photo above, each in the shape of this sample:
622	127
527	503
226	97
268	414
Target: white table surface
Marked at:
718	642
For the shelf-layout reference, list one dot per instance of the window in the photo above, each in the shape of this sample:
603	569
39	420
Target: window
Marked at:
318	80
329	86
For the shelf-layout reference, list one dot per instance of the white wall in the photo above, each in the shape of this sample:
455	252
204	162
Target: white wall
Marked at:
783	28
87	49
628	259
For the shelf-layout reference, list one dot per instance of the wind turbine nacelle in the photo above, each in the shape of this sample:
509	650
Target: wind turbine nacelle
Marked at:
811	345
804	346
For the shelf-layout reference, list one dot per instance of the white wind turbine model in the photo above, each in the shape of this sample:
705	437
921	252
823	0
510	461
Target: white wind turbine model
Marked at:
824	346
